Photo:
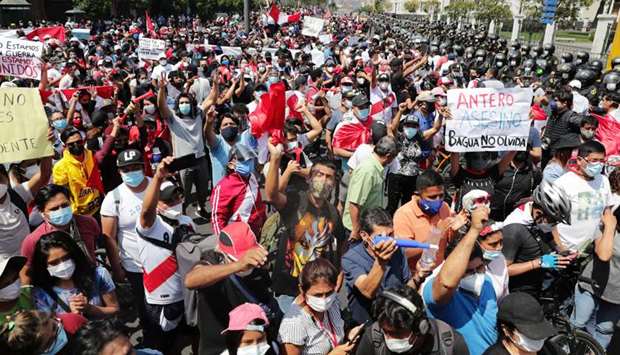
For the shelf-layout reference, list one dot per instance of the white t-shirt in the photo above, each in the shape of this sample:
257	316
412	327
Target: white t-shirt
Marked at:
580	103
158	69
127	212
13	224
588	198
162	283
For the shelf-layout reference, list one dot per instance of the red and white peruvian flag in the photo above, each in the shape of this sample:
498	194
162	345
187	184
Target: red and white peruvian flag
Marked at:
280	18
381	104
293	98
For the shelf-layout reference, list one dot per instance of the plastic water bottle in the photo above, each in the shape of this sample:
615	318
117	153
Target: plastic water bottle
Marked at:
155	158
429	256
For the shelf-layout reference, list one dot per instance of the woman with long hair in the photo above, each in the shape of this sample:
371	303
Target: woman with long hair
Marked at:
66	282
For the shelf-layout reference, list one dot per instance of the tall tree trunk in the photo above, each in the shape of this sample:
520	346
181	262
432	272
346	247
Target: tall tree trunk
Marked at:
38	10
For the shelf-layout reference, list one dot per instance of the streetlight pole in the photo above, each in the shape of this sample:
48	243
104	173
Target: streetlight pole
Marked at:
246	15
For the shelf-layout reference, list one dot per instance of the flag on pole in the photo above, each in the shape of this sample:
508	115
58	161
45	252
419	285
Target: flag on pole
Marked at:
57	32
150	28
281	18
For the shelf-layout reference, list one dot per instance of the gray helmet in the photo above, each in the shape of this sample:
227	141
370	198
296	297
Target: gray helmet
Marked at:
554	201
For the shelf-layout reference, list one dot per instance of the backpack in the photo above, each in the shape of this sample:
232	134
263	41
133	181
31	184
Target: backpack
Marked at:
189	252
18	201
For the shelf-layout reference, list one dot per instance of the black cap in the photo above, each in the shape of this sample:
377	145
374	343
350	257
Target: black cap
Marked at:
383	77
396	62
360	101
570	140
68	132
169	191
526	314
99	119
129	157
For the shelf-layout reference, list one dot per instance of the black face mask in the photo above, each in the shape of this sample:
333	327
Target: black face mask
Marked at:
76	149
230	133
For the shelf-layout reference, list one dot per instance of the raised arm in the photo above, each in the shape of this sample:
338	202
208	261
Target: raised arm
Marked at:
316	130
272	190
151	196
162	101
455	265
209	131
455	163
505	162
604	246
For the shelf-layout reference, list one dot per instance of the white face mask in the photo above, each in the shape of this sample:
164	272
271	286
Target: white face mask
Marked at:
172	212
527	344
63	270
254	349
473	283
10	292
398	345
3	188
384	86
360	81
320	304
31	171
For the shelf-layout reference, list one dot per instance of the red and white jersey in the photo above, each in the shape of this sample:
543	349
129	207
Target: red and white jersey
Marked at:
381	104
293	97
162	283
234	199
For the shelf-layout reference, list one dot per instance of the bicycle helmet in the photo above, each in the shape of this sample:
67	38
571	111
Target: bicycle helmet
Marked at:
553	200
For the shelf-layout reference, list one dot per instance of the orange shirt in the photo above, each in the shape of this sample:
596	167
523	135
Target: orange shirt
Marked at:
410	222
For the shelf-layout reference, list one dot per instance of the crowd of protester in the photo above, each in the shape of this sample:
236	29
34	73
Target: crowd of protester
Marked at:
296	263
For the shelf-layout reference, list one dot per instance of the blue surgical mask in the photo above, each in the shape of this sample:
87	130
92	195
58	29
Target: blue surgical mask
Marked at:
363	114
245	168
594	169
553	105
133	178
410	132
491	254
430	207
59	343
61	217
225	62
185	108
59	124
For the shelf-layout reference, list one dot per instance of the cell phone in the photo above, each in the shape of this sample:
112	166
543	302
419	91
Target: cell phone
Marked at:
359	334
184	162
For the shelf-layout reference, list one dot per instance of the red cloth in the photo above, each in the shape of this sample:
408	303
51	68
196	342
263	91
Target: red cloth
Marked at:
57	32
295	17
274	12
235	199
106	92
150	28
538	114
350	135
269	113
608	133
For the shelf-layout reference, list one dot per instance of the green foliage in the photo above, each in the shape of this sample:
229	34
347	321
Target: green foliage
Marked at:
488	10
459	8
378	7
411	5
430	6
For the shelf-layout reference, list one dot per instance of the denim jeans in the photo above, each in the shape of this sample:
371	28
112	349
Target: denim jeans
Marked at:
595	315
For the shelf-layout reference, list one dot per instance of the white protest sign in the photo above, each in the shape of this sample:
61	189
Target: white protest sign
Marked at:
81	33
152	49
325	39
20	58
488	119
312	26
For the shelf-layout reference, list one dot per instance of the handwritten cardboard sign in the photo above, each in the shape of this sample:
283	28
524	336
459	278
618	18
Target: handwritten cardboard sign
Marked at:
150	48
488	119
20	58
23	125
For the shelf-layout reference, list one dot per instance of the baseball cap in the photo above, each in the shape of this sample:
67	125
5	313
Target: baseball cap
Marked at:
426	96
346	80
360	101
526	314
241	317
409	119
169	191
129	157
11	263
236	239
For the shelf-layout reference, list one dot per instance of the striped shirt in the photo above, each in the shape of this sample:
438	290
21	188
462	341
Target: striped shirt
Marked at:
299	328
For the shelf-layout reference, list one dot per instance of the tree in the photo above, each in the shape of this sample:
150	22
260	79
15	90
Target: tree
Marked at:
566	14
459	8
488	10
376	8
430	6
412	5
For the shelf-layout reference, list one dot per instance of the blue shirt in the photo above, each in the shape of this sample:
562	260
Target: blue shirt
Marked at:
475	318
103	284
220	153
356	262
426	123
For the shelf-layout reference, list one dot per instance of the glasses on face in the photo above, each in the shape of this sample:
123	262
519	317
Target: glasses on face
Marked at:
589	160
75	144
